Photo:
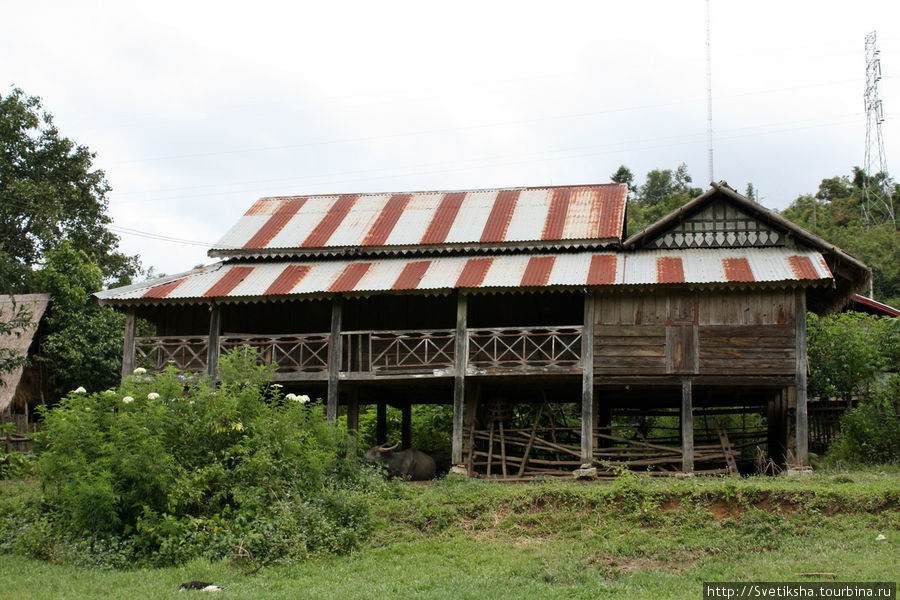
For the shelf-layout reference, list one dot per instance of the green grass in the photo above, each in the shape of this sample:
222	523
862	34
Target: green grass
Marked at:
633	538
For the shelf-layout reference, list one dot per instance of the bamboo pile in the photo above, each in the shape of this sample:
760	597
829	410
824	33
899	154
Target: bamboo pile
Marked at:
501	451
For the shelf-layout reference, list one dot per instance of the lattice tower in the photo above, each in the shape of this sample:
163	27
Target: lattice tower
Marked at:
877	203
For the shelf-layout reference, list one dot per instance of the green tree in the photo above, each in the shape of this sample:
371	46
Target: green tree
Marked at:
50	193
834	213
624	175
662	192
84	345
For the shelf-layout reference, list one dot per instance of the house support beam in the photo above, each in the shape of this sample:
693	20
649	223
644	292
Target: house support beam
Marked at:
128	346
587	381
461	352
212	347
381	424
687	426
406	426
352	421
776	423
801	428
353	412
334	360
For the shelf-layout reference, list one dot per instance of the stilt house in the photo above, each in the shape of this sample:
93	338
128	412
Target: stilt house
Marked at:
553	336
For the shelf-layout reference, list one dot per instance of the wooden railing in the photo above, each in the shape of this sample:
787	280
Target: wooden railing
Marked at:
525	347
397	351
186	353
378	352
301	353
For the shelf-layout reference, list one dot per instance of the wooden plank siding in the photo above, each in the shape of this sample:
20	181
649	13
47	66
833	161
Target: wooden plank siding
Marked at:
726	332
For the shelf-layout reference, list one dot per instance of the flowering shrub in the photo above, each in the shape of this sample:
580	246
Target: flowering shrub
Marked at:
182	470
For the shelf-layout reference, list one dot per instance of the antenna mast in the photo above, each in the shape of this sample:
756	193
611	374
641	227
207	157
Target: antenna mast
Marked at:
709	130
877	204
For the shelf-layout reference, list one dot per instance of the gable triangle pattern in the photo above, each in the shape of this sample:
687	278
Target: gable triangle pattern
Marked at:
718	225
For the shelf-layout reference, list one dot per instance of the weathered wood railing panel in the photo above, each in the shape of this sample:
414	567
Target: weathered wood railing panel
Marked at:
292	353
378	352
555	347
397	351
187	353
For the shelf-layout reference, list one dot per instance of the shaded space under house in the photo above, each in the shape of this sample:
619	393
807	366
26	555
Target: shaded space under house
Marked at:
556	340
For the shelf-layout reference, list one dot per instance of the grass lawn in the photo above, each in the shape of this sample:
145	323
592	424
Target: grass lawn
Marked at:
632	538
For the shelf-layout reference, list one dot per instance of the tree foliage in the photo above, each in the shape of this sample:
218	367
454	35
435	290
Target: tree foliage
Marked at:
848	352
49	193
83	346
853	356
663	191
834	213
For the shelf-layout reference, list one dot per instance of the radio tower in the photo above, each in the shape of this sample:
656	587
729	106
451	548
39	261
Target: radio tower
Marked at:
877	204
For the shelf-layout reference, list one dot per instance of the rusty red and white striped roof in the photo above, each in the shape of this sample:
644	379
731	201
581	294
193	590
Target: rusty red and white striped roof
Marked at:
533	217
244	280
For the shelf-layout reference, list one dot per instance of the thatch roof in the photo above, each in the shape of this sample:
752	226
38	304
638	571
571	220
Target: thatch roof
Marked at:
36	305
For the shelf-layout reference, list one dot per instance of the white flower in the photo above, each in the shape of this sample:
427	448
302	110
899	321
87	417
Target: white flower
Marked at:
292	398
277	385
127	399
140	371
79	390
303	399
152	396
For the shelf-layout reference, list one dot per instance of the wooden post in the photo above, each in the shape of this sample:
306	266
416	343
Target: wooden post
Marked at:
334	360
801	428
777	431
352	421
587	381
687	426
381	424
461	351
406	426
353	412
212	345
128	346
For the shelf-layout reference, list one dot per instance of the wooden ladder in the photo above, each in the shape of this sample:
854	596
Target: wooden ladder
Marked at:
728	450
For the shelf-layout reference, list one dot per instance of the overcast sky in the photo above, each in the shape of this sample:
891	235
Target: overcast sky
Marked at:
196	109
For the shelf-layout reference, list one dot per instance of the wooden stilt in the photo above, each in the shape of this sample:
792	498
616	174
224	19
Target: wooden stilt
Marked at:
381	424
687	426
490	452
461	350
802	425
334	360
353	412
502	448
406	426
212	346
128	348
587	380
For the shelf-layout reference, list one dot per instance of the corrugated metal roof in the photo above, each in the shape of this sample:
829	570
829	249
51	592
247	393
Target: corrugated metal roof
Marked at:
306	225
247	279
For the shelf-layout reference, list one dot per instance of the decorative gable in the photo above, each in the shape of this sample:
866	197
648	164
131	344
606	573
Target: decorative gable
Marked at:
718	225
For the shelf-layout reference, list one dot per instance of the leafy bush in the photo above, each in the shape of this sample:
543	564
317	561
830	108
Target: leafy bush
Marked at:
870	431
176	471
847	351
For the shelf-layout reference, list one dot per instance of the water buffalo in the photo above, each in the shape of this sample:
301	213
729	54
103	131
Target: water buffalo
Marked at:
408	464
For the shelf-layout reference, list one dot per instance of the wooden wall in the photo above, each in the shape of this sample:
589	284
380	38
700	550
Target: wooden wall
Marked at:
715	332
